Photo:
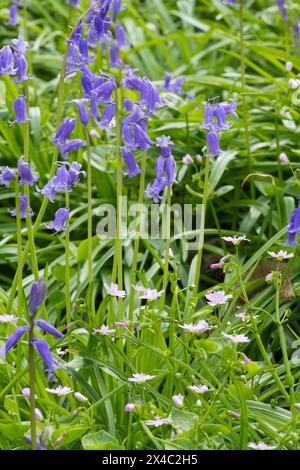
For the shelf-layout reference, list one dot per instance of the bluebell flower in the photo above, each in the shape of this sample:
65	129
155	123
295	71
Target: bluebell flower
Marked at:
60	219
175	87
20	110
6	176
208	117
130	162
114	56
213	145
19	45
165	143
230	2
121	36
84	51
76	34
141	138
170	166
26	176
25	210
37	295
294	227
44	351
132	81
230	108
74	173
82	111
128	104
21	68
75	3
283	10
100	28
149	96
107	116
64	131
63	181
6	61
155	189
14	338
105	90
13	15
39	445
220	115
71	146
116	7
47	328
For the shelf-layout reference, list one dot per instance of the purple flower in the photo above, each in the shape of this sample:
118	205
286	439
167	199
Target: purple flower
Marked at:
71	146
294	227
141	138
128	104
20	110
296	29
75	3
132	81
149	96
6	61
175	87
7	175
82	111
21	68
283	11
74	173
104	91
26	176
63	181
212	141
129	407
230	2
43	349
20	46
130	162
37	295
121	36
60	219
220	115
107	116
115	60
64	131
14	338
25	210
13	15
154	190
48	328
170	167
116	7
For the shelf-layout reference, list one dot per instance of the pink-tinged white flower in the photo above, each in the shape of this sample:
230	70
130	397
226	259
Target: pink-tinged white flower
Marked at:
141	377
220	264
157	421
197	328
294	83
260	446
199	158
297	405
199	388
271	276
233	414
236	240
94	133
245	316
281	255
129	407
80	397
284	158
114	291
187	159
178	400
38	414
104	330
217	298
148	294
246	359
6	318
237	338
122	324
26	392
288	66
59	390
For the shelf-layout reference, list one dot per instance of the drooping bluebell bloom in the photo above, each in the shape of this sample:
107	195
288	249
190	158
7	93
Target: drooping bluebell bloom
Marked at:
155	189
76	34
26	176
230	108
6	61
100	29
296	29
213	145
64	131
165	143
45	326
208	117
294	227
220	115
71	146
132	81
141	138
83	48
25	210
20	110
105	90
128	104
13	15
19	45
21	68
44	351
60	219
63	181
74	173
114	56
14	338
82	111
170	166
39	445
37	295
130	162
175	87
283	10
107	116
230	2
121	36
75	3
6	176
116	7
149	96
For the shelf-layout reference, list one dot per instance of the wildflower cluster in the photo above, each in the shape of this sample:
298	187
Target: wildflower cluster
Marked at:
215	120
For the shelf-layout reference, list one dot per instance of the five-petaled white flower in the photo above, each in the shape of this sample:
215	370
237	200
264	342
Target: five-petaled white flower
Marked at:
260	446
148	294
141	378
197	328
281	255
104	330
6	318
237	338
217	298
236	240
59	390
178	400
199	388
157	421
114	290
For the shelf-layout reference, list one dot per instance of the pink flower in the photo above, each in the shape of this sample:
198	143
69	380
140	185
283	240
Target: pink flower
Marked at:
59	390
217	298
38	414
288	66
141	378
26	392
234	414
284	158
122	324
104	330
187	159
129	407
7	318
260	446
114	291
236	240
220	264
199	388
80	397
281	255
237	338
148	294
198	328
157	421
178	400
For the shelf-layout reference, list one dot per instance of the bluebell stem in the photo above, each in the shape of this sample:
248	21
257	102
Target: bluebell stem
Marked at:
25	211
59	222
6	176
26	176
37	295
294	227
20	110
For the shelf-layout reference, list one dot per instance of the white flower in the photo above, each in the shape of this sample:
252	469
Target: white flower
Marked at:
217	298
288	66
198	328
281	255
141	378
187	159
7	318
236	240
237	338
199	388
104	330
157	421
284	158
114	291
178	400
148	294
260	446
294	83
80	397
59	390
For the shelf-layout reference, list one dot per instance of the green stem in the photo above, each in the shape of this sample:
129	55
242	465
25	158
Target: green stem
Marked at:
67	266
90	221
239	275
19	246
31	384
202	227
167	249
137	239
